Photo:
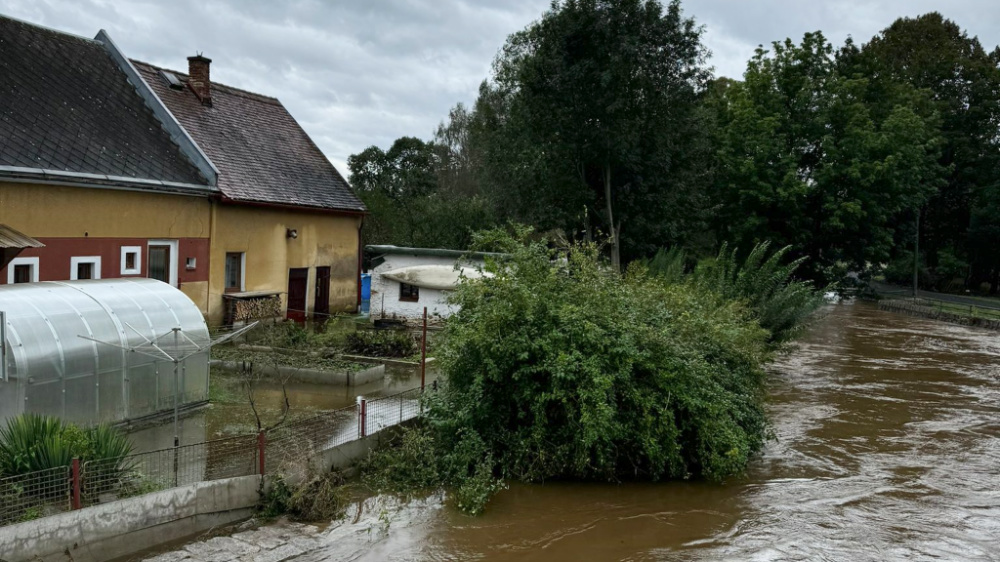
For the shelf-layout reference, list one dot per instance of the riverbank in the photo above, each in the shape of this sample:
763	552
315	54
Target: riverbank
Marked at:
943	312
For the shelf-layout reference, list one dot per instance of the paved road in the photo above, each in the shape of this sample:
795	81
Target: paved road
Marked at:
887	290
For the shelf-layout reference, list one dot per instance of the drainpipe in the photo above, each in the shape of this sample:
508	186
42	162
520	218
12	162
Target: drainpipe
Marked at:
361	249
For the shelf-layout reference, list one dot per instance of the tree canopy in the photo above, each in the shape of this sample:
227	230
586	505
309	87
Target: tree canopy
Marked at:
804	158
601	121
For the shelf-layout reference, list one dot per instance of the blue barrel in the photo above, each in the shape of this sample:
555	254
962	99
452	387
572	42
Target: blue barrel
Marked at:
366	286
366	293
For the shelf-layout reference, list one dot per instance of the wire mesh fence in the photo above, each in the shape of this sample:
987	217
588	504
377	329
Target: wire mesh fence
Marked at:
284	449
112	479
37	494
381	413
288	446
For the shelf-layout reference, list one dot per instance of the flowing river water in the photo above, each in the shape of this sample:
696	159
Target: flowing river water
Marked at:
887	448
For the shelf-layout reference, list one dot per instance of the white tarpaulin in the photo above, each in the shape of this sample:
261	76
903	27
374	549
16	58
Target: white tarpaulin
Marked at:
440	277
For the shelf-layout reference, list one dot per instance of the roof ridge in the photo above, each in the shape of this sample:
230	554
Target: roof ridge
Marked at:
50	29
225	87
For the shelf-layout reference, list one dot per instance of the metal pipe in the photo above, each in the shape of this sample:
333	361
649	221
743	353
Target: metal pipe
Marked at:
177	439
3	346
423	353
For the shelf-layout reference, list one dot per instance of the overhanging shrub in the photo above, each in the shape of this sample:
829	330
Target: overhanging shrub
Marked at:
556	367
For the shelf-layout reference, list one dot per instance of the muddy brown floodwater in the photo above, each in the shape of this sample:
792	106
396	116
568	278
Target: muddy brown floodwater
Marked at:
888	448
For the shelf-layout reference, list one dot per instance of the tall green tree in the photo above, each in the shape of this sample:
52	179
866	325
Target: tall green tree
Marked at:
933	54
592	114
805	161
421	193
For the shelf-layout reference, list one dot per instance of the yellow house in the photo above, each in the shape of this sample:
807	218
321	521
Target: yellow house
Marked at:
120	168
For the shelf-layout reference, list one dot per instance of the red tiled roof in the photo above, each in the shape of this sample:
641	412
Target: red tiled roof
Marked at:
262	153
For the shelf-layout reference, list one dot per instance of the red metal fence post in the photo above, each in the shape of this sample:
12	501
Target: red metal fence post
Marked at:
363	422
261	445
76	483
423	352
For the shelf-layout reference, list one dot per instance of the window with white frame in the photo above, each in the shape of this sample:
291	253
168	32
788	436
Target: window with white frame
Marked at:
84	267
22	270
235	272
131	260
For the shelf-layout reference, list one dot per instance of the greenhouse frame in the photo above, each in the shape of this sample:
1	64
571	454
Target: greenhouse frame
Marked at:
100	351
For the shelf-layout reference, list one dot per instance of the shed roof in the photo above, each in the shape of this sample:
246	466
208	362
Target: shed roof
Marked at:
10	238
69	113
263	154
383	250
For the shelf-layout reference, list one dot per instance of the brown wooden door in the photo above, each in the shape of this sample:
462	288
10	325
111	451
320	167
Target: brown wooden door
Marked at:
298	279
322	293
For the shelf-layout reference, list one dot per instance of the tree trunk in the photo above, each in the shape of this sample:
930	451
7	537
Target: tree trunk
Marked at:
916	258
613	230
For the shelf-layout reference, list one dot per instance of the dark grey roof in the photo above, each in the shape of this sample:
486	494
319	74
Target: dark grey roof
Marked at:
262	153
66	108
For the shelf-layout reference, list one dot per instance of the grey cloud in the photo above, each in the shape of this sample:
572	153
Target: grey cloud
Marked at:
357	73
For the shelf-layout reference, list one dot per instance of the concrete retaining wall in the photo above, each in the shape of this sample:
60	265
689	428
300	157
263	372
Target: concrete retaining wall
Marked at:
386	361
120	528
338	378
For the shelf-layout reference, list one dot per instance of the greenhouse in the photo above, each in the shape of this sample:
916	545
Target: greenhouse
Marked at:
100	351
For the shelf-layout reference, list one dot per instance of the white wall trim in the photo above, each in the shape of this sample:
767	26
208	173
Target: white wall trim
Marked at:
33	262
77	260
174	256
137	270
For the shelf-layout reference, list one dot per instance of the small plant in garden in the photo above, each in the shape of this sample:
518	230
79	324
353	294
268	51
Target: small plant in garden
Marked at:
381	343
32	442
275	500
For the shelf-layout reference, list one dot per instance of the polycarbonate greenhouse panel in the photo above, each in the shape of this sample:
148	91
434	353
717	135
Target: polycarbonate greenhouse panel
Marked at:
53	366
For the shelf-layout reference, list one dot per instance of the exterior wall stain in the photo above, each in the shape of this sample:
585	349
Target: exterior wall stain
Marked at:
323	239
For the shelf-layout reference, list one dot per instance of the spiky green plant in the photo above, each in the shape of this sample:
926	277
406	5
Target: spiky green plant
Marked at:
668	264
106	442
32	442
762	281
766	284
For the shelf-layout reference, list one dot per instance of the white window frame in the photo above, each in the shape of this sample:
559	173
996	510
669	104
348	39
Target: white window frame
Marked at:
137	250
75	261
243	271
33	262
174	256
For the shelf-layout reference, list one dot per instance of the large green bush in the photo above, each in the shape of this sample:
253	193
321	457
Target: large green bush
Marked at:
556	367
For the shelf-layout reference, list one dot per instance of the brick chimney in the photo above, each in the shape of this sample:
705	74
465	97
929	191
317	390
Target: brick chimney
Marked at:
198	79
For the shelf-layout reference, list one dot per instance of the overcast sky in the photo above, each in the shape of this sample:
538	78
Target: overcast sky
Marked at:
361	72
